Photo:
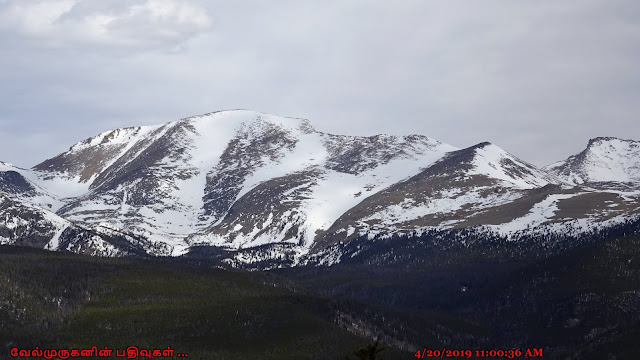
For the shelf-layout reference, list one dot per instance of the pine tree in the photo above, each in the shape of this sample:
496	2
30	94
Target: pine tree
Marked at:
368	352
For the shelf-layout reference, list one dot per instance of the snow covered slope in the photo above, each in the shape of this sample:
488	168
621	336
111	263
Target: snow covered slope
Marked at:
19	183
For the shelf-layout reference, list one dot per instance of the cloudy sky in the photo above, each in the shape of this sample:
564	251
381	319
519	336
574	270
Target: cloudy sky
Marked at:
538	78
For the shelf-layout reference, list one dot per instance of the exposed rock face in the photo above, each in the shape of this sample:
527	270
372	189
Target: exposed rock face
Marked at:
12	182
22	224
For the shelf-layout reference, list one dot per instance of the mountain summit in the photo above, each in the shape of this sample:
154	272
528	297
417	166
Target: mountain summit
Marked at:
606	159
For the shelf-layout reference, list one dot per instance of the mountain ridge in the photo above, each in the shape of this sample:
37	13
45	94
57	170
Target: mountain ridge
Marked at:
240	179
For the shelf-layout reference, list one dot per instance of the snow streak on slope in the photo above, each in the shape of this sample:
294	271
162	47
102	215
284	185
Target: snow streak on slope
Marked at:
539	214
447	202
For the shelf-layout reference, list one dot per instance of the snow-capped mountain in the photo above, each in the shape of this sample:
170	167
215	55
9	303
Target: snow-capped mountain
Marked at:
233	178
241	179
605	159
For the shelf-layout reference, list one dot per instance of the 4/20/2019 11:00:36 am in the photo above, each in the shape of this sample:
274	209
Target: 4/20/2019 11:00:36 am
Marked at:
479	353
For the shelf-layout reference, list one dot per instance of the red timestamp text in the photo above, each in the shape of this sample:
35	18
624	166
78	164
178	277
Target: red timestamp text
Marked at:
479	353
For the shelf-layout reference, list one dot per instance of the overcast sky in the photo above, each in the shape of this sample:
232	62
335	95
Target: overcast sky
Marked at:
537	78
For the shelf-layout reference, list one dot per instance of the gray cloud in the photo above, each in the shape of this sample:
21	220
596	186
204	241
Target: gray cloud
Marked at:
536	78
108	23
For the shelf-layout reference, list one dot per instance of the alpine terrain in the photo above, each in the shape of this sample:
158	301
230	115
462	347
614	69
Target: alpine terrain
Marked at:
266	188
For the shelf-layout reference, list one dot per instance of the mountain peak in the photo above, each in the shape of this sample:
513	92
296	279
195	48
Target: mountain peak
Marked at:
606	159
608	139
481	145
249	118
601	139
